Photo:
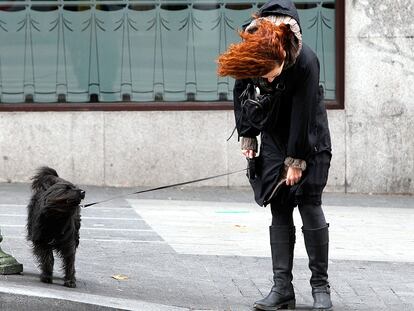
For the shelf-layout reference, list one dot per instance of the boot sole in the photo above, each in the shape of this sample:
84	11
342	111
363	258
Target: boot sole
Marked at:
290	305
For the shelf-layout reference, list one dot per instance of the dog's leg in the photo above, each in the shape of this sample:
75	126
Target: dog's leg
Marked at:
68	256
46	261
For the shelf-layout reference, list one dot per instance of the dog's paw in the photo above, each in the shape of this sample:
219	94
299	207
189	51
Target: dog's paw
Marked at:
70	283
46	279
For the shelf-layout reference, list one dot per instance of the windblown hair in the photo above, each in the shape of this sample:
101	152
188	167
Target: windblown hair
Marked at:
262	48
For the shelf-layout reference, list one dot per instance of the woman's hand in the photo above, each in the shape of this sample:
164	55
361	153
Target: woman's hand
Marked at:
293	176
249	153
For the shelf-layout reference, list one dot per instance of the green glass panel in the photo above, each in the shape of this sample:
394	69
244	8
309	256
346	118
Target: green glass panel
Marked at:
208	32
171	62
327	57
109	48
44	33
77	32
318	27
142	34
236	16
214	31
140	50
13	30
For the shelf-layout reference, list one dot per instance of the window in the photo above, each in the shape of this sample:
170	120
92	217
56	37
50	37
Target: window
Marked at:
139	51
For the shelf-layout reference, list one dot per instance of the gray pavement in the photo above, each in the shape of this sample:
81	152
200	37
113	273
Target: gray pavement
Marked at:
207	249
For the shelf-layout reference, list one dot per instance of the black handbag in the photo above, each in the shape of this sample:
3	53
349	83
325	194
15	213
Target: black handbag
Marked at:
254	112
259	111
266	190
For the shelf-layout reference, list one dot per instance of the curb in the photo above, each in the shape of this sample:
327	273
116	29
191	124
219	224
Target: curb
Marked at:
32	298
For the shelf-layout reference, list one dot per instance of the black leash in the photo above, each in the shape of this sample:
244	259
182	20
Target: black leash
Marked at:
163	187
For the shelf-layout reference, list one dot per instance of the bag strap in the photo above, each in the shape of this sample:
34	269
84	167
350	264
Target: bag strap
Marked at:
278	90
251	88
245	93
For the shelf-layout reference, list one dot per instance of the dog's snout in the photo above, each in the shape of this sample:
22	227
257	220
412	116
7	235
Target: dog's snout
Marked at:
82	193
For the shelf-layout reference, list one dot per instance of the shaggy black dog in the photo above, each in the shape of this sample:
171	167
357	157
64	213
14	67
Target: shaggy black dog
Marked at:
53	223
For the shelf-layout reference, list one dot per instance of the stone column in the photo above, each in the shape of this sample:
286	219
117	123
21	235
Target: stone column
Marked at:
8	265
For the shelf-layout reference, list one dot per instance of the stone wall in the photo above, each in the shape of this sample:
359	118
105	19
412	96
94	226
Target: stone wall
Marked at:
379	105
133	148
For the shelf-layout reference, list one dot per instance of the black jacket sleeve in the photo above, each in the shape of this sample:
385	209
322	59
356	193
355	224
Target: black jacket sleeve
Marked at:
243	127
304	101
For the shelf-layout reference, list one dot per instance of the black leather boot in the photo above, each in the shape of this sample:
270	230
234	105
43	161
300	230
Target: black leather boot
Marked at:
317	242
282	295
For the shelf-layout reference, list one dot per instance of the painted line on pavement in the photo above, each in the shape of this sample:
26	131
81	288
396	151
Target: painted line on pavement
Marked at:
13	205
13	215
111	218
127	241
86	228
15	237
83	217
106	208
88	208
11	226
117	229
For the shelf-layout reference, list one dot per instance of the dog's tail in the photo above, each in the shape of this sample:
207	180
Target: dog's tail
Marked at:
44	178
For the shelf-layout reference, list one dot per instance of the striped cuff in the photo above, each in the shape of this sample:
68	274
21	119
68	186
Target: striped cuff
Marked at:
296	163
249	143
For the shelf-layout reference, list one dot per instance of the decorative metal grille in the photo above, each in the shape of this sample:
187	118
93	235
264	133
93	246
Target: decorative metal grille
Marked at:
135	50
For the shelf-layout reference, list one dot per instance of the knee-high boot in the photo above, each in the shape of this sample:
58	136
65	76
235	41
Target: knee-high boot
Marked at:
282	295
317	242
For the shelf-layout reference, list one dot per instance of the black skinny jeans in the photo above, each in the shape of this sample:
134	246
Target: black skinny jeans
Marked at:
312	216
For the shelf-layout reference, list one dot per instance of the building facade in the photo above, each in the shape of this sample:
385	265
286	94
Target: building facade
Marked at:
125	93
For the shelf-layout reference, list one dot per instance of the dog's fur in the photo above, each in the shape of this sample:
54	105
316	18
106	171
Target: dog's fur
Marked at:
53	223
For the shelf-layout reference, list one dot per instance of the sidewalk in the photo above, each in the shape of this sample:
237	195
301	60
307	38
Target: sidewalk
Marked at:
208	249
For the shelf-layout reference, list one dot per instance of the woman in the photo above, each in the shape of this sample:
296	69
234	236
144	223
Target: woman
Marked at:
295	143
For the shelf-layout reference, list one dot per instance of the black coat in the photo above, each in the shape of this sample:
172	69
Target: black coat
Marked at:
300	130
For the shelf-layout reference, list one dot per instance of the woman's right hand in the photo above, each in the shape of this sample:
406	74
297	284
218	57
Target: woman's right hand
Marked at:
249	153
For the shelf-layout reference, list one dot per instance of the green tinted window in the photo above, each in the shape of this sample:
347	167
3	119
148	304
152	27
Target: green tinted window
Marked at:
135	50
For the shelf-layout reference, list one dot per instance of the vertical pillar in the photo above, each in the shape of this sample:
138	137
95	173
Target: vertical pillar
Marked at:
8	265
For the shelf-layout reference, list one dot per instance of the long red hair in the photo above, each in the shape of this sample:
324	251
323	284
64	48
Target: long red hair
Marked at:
261	49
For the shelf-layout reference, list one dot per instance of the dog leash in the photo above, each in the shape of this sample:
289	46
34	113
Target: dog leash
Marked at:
163	187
